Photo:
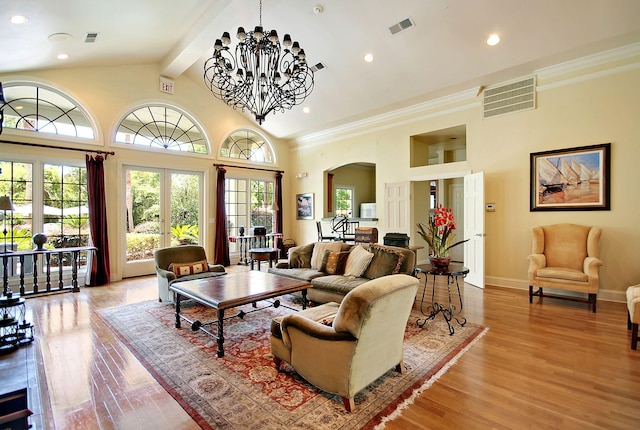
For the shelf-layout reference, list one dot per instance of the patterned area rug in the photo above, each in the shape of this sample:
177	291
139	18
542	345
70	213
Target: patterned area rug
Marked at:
243	390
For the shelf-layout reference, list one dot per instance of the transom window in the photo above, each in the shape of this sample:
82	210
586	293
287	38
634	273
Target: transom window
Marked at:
37	109
247	145
162	127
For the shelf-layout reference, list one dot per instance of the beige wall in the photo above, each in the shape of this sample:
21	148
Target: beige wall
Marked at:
585	108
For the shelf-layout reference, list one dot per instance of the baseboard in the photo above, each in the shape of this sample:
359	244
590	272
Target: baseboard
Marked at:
519	284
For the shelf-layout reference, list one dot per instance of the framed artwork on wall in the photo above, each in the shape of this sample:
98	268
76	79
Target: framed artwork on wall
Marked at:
304	206
571	179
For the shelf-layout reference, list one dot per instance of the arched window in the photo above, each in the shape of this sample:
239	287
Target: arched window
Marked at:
35	108
247	145
162	127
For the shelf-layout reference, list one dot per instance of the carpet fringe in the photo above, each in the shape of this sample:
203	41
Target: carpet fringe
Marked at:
409	401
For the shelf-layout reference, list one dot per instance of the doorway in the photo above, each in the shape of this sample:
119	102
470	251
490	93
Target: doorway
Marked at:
162	208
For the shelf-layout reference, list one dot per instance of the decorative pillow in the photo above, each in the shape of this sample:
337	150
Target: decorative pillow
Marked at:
319	250
385	262
184	269
300	256
335	262
358	261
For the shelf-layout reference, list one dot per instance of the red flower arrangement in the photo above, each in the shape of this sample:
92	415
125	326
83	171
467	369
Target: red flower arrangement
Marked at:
439	232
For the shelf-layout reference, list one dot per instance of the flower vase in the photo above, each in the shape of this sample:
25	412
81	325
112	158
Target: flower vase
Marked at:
439	263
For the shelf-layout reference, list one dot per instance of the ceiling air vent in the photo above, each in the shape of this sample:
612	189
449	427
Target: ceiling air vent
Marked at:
511	97
402	25
91	37
317	67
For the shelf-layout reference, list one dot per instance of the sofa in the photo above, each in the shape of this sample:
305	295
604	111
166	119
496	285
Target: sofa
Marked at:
179	264
336	268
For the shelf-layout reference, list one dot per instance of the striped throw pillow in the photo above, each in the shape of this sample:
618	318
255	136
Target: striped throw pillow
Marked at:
358	261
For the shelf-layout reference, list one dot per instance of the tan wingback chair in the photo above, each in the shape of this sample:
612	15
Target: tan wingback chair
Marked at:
342	348
180	255
565	257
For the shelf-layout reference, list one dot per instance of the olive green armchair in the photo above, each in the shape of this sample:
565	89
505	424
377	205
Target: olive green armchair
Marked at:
342	348
182	263
565	257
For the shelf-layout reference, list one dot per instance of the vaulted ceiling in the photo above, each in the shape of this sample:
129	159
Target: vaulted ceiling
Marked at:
445	51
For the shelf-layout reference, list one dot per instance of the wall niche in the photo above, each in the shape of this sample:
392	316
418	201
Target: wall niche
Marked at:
448	145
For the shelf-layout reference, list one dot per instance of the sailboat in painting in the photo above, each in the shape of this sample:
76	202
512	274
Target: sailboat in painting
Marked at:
550	177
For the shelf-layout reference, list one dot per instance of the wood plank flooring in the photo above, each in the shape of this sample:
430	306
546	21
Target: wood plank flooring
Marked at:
551	365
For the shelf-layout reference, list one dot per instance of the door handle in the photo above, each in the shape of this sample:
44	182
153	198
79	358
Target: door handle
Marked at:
480	234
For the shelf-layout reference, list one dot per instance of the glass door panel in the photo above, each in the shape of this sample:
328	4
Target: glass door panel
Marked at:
162	209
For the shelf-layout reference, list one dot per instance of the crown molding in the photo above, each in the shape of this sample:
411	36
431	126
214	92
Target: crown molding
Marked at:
583	63
373	123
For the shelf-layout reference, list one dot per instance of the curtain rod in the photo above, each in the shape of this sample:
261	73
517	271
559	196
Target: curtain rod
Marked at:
250	168
96	151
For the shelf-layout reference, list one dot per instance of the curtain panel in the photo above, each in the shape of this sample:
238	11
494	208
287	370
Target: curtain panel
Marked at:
221	248
100	271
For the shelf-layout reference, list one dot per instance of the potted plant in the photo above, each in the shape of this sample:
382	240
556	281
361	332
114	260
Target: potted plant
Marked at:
439	234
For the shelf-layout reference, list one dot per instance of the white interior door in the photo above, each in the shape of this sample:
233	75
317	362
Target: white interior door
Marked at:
474	228
397	207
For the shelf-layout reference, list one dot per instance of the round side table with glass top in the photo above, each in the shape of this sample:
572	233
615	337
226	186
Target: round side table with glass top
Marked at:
454	273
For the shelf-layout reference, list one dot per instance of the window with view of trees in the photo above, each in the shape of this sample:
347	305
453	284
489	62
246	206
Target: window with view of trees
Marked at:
249	203
344	201
58	209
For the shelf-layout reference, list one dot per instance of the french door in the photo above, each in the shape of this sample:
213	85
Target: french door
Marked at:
162	208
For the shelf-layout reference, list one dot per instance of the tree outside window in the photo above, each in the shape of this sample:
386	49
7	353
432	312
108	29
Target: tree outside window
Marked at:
344	201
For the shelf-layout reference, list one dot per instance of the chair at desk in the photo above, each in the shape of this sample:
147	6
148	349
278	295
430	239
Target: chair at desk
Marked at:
321	236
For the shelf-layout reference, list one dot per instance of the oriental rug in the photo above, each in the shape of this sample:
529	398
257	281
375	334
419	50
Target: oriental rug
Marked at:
243	390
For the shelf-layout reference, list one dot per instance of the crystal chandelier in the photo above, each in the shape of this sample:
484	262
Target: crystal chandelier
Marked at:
260	77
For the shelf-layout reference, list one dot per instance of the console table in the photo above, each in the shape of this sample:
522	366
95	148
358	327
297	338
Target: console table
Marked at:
46	256
449	311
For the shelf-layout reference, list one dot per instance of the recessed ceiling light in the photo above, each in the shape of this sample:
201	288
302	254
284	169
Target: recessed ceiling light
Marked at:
19	107
18	19
63	56
306	109
368	58
493	40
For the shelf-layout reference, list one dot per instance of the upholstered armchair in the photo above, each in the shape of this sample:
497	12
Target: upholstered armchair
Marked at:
565	257
182	263
342	348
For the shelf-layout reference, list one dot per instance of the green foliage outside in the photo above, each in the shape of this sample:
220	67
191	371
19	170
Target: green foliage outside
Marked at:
184	234
140	246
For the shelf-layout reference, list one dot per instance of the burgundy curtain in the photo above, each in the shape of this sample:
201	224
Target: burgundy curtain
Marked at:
222	240
278	208
100	272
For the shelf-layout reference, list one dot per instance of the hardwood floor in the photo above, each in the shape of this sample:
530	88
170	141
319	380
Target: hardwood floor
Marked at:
545	365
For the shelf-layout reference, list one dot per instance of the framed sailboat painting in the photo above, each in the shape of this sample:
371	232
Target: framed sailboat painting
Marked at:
571	179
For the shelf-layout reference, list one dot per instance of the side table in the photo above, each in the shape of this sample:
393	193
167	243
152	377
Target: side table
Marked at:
449	311
263	254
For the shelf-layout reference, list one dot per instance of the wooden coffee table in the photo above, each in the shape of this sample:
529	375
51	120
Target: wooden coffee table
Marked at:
229	291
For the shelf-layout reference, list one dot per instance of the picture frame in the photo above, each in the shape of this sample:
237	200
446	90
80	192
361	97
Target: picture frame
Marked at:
304	206
568	179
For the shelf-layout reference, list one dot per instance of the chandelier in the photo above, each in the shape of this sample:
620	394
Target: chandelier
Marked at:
261	77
